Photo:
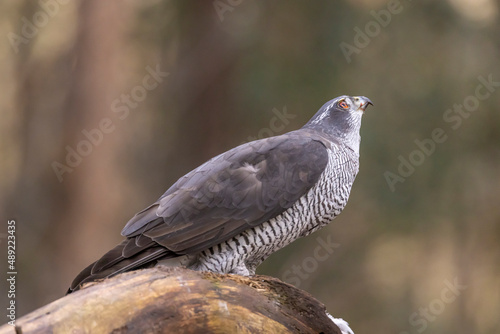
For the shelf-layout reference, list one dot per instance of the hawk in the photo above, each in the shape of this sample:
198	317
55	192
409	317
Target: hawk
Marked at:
229	214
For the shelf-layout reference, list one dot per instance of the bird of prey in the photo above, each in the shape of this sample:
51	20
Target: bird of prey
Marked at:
229	214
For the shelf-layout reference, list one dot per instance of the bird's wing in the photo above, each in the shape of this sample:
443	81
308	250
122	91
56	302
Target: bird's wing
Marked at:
234	191
239	189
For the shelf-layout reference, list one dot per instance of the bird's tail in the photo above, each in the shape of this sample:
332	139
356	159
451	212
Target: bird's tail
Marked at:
119	260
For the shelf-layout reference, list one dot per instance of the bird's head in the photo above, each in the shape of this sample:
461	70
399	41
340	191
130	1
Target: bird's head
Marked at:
340	119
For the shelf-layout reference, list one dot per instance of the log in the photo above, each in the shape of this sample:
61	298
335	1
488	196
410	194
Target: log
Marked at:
178	300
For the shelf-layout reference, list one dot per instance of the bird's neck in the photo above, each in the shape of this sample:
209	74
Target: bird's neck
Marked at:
344	130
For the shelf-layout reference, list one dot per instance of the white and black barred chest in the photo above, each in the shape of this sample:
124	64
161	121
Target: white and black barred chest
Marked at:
323	202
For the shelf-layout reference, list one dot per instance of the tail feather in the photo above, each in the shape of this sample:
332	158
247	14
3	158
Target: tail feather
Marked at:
114	262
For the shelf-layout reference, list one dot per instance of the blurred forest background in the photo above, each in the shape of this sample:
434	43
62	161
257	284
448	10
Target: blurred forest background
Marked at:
159	87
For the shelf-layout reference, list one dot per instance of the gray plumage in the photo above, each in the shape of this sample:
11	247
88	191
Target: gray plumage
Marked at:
232	212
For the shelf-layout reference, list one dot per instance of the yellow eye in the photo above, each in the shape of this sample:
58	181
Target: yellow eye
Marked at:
343	104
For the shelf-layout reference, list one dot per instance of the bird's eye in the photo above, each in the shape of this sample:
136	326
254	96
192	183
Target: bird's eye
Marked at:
343	105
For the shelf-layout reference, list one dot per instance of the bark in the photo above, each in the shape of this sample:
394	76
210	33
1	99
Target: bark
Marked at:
176	300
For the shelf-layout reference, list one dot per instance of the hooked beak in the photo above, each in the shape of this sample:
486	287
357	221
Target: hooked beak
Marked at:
362	102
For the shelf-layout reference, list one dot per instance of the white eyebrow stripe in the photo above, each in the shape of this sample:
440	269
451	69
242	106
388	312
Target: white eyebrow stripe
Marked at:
323	115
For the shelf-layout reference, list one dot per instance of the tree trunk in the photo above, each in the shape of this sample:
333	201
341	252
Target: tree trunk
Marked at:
176	300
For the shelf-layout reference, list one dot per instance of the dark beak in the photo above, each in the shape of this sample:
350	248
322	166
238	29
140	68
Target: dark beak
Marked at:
362	102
